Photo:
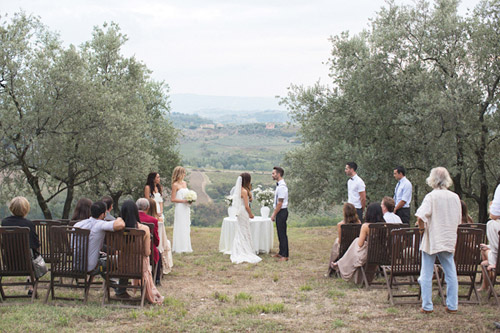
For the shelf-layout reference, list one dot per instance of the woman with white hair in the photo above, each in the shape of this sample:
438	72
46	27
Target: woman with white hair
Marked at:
438	218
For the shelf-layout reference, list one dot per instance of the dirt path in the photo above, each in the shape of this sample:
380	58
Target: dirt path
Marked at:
197	182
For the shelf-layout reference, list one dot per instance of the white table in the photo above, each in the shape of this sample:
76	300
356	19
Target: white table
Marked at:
262	234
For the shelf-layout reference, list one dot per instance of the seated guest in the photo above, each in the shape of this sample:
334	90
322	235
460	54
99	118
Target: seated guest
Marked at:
495	205
489	253
356	255
465	213
387	206
130	215
20	207
165	247
109	207
438	218
142	206
350	217
82	210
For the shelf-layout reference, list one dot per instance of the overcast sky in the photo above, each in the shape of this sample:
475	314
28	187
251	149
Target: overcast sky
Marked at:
217	47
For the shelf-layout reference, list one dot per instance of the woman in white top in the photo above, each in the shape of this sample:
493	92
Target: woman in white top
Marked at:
489	252
182	217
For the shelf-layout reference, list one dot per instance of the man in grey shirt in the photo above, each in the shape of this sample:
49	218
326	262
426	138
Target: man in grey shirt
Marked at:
109	207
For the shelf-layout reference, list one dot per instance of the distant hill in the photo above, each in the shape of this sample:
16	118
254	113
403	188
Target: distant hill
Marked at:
183	120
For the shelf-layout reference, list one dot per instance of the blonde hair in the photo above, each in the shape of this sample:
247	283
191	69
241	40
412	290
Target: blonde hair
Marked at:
178	174
19	206
439	178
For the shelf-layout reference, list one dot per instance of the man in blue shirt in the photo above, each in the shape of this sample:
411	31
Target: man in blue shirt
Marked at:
402	195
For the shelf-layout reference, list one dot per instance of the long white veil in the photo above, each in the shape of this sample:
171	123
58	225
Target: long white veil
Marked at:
236	195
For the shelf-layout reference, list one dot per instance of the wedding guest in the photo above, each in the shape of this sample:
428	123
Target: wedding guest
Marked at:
355	257
280	213
109	207
130	215
356	189
82	210
438	218
489	253
495	205
402	195
465	213
143	206
181	239
20	207
165	247
153	190
350	217
387	206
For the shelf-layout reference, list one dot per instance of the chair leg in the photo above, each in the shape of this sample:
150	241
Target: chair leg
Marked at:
48	290
35	288
388	285
365	280
143	293
87	288
2	293
440	289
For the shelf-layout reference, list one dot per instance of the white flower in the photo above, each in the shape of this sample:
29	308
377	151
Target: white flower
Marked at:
264	197
191	196
228	200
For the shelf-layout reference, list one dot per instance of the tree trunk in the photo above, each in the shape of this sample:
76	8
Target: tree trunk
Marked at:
116	197
483	183
33	181
70	193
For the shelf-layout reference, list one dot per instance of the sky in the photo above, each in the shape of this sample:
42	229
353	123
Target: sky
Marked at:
217	47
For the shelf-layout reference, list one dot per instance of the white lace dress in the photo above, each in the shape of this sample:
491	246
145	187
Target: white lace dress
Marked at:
164	247
181	241
242	250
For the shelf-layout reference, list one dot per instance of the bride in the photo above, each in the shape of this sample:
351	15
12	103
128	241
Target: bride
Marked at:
181	241
242	250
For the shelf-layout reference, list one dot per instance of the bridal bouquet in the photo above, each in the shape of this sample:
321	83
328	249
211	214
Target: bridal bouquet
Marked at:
191	196
228	200
264	197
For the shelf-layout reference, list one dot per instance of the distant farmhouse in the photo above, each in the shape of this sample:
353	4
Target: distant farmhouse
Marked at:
270	126
207	126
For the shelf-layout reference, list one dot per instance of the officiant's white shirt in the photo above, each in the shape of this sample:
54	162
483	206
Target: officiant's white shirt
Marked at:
281	193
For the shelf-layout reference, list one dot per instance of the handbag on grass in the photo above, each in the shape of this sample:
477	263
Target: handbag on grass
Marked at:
39	266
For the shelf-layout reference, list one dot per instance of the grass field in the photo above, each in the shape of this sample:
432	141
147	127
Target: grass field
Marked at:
206	293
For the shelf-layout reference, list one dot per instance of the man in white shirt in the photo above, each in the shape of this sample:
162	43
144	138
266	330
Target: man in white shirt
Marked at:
402	194
280	213
356	189
388	208
495	205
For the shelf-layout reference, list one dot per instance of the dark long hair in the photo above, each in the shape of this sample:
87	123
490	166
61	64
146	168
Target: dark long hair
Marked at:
246	183
82	210
130	214
151	183
374	213
350	214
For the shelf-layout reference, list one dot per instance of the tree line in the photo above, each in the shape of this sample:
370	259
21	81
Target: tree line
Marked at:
78	120
418	88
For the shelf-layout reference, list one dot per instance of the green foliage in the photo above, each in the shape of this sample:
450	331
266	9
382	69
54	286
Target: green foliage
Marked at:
242	297
419	89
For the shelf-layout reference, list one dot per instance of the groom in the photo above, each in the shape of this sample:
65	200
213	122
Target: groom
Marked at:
280	213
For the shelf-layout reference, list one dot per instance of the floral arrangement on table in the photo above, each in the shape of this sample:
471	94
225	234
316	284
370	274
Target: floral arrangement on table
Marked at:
264	197
228	200
191	196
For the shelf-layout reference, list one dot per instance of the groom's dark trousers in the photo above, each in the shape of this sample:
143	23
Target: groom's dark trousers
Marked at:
281	218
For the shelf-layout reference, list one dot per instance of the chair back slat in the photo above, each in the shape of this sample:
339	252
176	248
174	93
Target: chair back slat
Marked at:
42	228
467	251
480	226
151	227
69	251
406	255
379	243
15	258
349	232
127	246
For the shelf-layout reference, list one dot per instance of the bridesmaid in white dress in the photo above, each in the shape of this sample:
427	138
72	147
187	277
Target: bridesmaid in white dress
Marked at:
153	190
181	241
242	250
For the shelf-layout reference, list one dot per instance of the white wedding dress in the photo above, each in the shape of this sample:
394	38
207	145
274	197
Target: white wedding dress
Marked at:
242	250
181	241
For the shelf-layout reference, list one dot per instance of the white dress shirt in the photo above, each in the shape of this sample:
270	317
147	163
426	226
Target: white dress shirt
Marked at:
403	192
392	218
495	205
281	193
355	185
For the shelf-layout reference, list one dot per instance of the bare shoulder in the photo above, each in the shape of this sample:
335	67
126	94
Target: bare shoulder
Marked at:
341	223
244	192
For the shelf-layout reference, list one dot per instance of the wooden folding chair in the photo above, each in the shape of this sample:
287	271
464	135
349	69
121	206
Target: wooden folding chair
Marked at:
405	262
349	232
15	260
42	228
126	262
69	257
493	281
481	226
467	258
379	250
154	265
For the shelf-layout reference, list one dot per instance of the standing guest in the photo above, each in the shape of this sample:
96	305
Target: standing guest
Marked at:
20	207
280	213
109	207
350	217
402	195
357	253
82	210
142	206
465	213
356	189
130	215
181	240
438	218
98	227
387	206
165	247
